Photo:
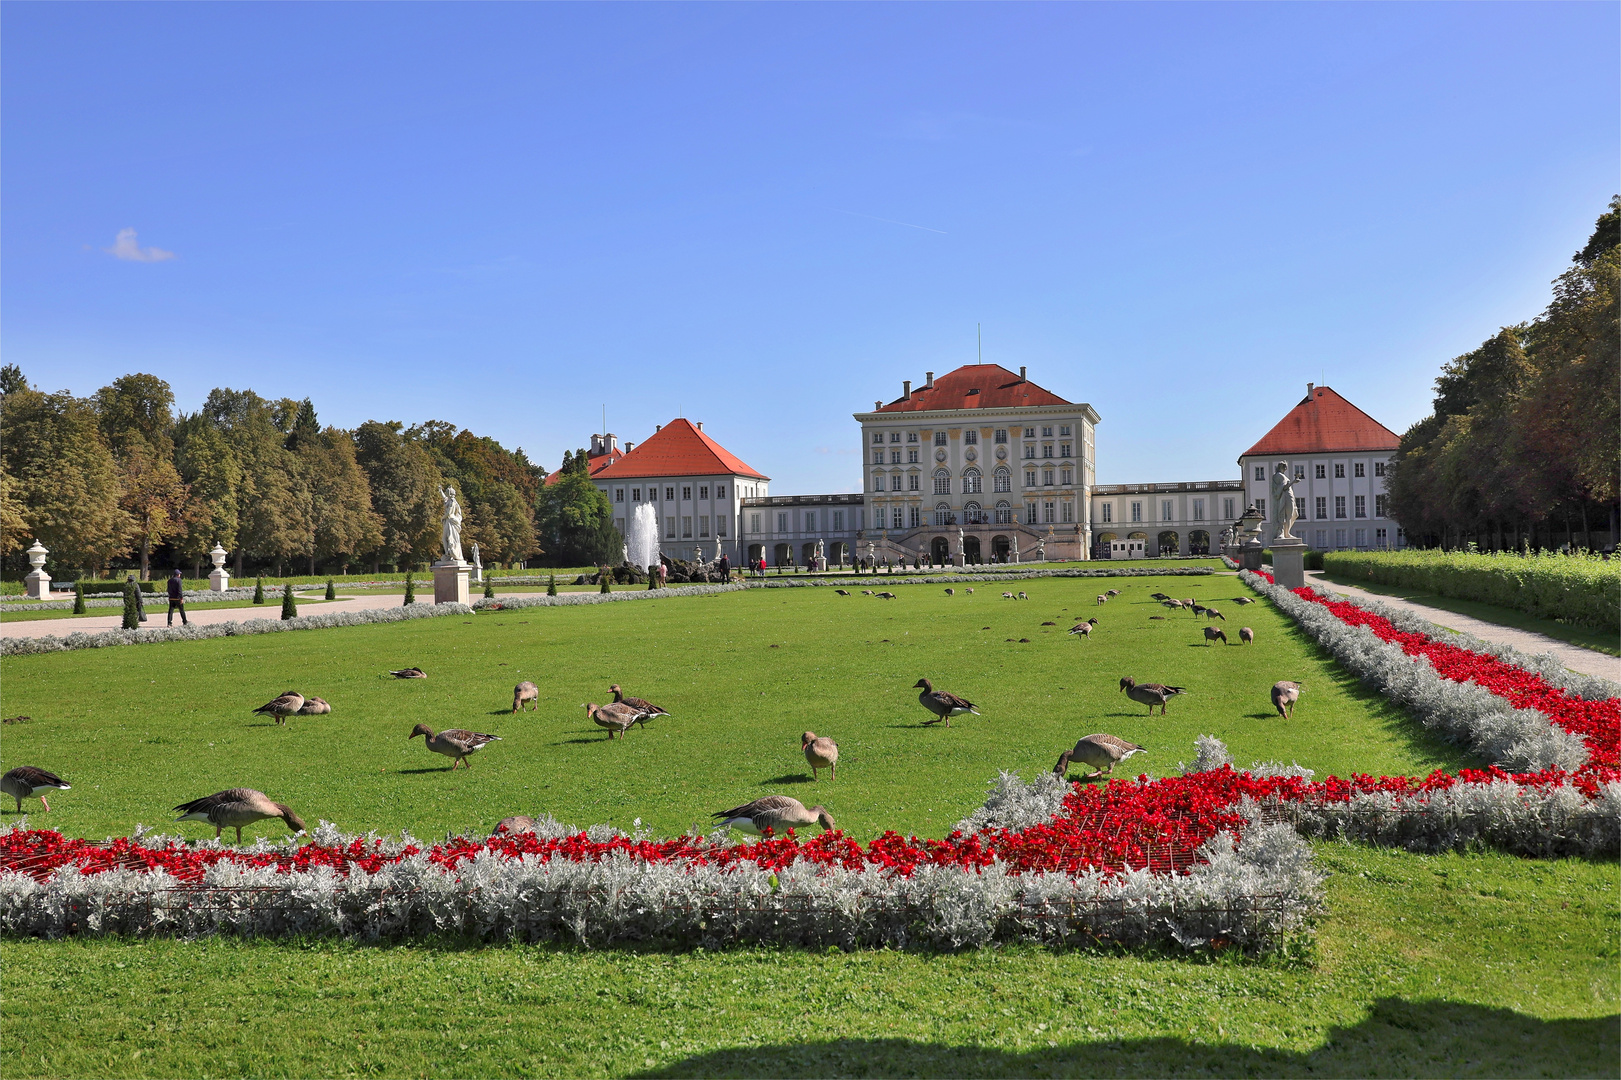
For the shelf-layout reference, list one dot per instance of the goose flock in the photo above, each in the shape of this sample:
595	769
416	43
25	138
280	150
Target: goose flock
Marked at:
235	808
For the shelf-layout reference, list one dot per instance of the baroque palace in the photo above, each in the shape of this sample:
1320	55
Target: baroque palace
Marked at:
983	465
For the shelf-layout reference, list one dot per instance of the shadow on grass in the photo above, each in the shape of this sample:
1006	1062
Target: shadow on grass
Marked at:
419	772
787	778
1398	1038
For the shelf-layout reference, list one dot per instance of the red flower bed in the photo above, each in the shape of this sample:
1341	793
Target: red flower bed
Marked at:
1598	723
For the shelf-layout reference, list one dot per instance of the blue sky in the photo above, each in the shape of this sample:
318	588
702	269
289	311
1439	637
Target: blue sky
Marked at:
766	216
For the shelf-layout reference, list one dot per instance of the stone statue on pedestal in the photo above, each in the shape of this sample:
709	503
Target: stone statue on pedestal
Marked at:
1284	513
1041	549
451	533
478	564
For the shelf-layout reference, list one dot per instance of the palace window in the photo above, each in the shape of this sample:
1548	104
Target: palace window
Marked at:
973	514
1064	450
1227	509
703	525
1107	512
914	514
720	491
878	436
1030	450
1047	432
686	528
1339	508
720	524
1029	513
1260	472
939	438
782	523
1047	477
942	515
877	457
1029	478
1003	480
970	436
894	457
1362	538
1046	450
754	523
971	482
1001	434
911	482
1322	472
942	482
1064	430
1379	507
1380	538
1198	509
878	481
895	482
1067	511
703	492
911	436
1136	511
838	521
1067	476
1339	472
686	493
1260	505
669	528
1030	433
635	494
895	518
1361	505
1166	510
911	457
1300	507
619	524
1048	512
1300	472
1359	469
894	436
1378	468
810	521
1322	507
1004	513
619	494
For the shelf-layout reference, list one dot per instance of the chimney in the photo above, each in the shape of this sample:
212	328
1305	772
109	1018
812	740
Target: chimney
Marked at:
699	424
657	428
629	447
928	383
877	405
610	442
596	446
1310	389
906	389
1021	373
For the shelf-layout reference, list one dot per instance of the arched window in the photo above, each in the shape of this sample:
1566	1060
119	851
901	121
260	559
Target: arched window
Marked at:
942	513
1004	513
1003	479
973	514
942	482
971	483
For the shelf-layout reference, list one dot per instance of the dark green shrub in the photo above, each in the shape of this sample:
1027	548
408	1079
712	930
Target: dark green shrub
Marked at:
132	607
410	588
259	590
489	589
551	585
331	589
605	576
78	598
289	607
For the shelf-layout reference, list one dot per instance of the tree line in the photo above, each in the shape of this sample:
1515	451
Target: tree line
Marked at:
121	476
1524	446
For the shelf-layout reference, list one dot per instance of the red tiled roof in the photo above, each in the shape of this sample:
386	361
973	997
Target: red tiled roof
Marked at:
975	386
678	449
593	465
1323	423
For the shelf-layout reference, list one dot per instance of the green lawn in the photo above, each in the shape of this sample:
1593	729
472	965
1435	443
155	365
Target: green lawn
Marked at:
744	674
1588	638
1454	965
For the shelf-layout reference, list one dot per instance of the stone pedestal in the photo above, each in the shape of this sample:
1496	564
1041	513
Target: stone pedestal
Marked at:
958	560
450	584
1249	555
1289	562
219	579
39	584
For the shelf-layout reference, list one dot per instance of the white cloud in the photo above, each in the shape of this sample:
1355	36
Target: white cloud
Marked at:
125	247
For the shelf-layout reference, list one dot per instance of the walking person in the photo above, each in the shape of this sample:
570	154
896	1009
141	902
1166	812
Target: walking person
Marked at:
177	599
664	574
726	568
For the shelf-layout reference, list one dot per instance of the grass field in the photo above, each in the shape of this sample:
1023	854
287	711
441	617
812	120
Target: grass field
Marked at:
1455	965
1588	638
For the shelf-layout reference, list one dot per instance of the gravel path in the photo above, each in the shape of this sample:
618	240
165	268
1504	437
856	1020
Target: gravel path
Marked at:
157	613
1573	657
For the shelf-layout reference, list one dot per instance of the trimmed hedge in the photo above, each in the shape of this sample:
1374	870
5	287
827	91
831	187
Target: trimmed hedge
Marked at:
1582	589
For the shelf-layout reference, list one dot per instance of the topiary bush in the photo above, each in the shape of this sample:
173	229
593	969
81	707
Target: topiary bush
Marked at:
489	589
605	576
551	585
132	606
78	598
289	607
259	590
331	589
410	588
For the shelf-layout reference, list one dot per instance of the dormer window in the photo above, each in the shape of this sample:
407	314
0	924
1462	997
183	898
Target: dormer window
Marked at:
971	393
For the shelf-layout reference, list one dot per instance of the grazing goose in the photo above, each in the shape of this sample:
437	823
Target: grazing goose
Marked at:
775	812
1211	633
1150	694
456	743
283	707
951	592
1159	596
1284	696
409	673
1007	596
235	808
1242	600
1246	635
26	781
822	753
314	706
1084	629
1212	613
1199	609
526	691
1102	600
613	716
517	823
1172	604
970	592
641	705
842	592
1102	752
1022	596
1112	592
943	705
886	596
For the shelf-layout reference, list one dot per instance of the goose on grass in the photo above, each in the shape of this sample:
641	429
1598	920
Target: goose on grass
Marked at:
821	752
236	807
455	743
778	813
613	716
943	705
642	705
314	706
1284	696
282	707
1150	694
27	781
1101	751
